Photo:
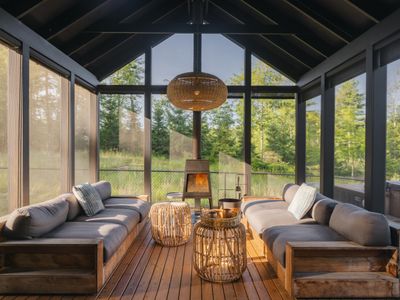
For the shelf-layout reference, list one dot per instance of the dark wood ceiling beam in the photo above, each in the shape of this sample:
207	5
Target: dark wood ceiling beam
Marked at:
124	54
315	16
304	35
130	11
230	14
78	12
171	28
114	42
19	9
282	63
364	10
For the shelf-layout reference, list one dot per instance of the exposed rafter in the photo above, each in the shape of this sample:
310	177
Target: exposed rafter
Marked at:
373	10
130	12
82	10
21	8
271	14
320	20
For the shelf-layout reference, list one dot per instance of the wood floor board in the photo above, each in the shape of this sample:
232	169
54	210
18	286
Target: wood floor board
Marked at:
150	271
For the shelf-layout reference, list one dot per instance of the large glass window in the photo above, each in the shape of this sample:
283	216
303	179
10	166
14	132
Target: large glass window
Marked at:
263	74
350	141
172	57
273	138
122	142
10	70
222	145
222	58
393	122
171	134
47	90
82	133
130	74
313	140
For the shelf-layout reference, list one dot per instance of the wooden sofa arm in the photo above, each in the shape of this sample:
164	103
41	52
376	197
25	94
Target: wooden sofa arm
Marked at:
343	256
140	197
51	265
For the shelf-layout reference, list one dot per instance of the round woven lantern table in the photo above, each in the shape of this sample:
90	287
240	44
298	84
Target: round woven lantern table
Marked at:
171	223
219	246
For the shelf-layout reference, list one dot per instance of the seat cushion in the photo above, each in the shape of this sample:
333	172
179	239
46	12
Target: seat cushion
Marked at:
359	225
35	220
249	206
276	237
103	188
111	234
126	217
261	220
140	206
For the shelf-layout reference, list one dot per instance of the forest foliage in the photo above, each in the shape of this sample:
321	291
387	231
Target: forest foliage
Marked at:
273	126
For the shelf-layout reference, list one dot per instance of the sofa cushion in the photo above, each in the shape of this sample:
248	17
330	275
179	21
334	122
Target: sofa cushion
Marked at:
302	201
140	206
266	204
126	217
322	210
75	209
277	237
261	220
359	225
88	198
103	188
289	190
111	234
35	220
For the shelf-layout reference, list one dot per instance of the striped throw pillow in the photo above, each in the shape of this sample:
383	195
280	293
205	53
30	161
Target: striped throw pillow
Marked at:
88	198
302	201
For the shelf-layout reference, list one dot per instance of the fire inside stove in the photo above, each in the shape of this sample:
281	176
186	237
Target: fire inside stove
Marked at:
197	183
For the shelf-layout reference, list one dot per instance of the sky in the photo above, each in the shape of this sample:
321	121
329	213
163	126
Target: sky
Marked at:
220	57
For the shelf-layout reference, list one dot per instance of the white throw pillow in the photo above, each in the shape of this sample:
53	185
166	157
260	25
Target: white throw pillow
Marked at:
88	198
302	201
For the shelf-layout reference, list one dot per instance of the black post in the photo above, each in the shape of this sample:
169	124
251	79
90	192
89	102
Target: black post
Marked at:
25	126
197	114
327	138
147	123
300	140
375	156
247	122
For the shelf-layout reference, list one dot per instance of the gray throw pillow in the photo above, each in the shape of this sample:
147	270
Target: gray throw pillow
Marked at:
88	198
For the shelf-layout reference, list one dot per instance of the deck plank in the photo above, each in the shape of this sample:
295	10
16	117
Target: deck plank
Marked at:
186	281
166	276
157	273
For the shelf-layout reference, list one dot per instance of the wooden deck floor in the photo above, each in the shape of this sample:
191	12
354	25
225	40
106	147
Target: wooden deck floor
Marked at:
150	271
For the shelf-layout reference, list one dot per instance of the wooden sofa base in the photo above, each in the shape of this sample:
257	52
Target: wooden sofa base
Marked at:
58	266
336	269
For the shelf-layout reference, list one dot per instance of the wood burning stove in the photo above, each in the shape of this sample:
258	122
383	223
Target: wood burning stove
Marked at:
197	181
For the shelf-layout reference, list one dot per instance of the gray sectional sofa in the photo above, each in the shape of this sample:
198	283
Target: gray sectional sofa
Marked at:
336	250
44	228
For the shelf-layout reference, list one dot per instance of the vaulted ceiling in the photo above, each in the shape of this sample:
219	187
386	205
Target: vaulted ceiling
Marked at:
293	36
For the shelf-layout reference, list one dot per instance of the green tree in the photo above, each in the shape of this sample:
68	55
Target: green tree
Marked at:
159	129
349	130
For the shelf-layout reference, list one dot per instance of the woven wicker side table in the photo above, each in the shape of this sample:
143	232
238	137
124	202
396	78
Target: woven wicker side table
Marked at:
219	246
171	223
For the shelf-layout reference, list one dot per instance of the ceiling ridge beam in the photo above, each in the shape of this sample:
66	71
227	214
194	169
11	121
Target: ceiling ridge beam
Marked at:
320	20
170	28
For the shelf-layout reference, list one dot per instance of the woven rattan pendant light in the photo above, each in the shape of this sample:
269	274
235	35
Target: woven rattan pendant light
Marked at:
197	91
